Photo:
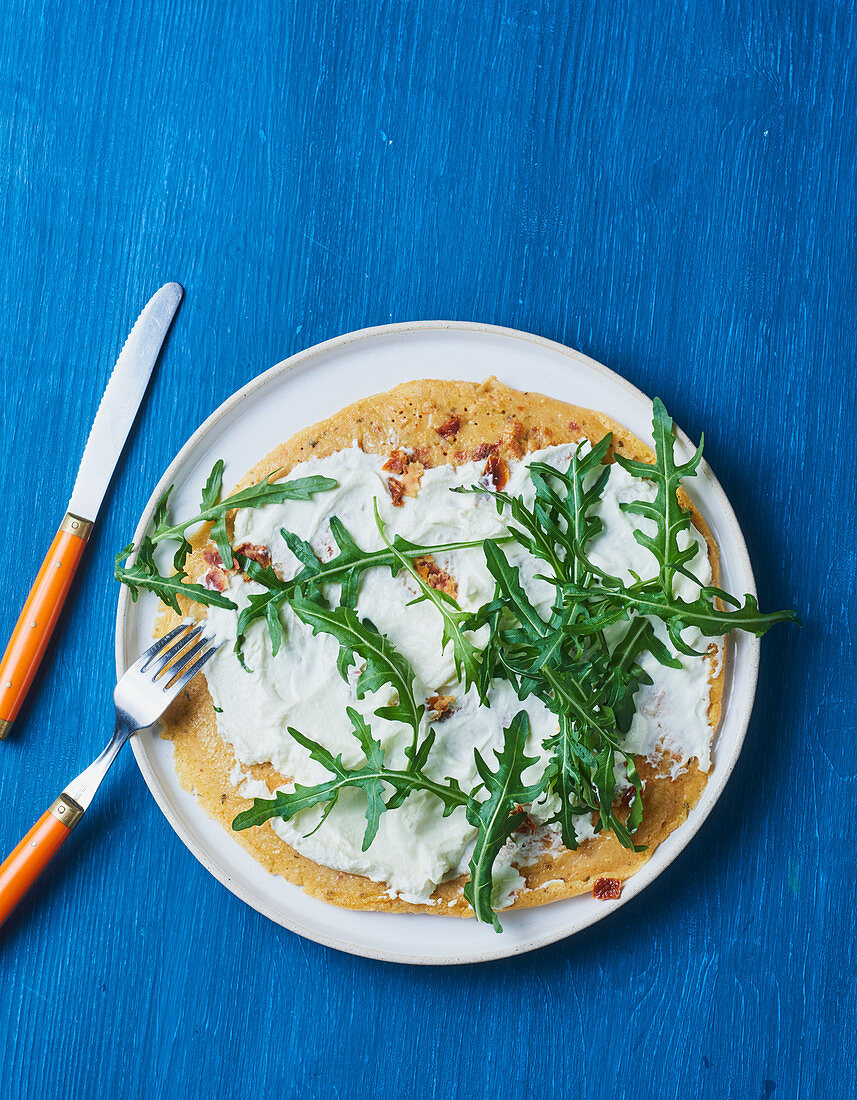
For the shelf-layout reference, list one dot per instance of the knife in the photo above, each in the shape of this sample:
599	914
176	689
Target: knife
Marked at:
107	437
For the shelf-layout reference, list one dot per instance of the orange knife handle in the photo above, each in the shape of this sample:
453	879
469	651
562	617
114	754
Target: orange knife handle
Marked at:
36	622
24	865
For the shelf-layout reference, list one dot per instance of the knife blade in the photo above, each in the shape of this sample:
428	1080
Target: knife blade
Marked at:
107	437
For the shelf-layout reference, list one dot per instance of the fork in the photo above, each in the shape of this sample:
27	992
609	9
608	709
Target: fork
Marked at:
140	700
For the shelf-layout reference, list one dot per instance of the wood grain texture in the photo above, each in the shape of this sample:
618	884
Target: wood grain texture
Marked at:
668	187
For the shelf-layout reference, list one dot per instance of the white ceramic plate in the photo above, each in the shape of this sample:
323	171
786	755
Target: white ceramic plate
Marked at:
305	389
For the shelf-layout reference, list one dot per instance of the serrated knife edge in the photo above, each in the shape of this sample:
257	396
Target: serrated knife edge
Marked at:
120	402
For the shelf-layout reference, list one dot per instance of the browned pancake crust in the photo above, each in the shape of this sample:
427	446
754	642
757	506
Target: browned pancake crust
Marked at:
409	417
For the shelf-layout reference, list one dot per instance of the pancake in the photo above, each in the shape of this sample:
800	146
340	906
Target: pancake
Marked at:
437	422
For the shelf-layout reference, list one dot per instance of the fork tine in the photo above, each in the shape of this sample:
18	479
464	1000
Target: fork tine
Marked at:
164	658
174	689
145	659
173	670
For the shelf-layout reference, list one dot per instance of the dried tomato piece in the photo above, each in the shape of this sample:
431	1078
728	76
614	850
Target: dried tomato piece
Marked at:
397	491
527	826
434	576
215	579
211	555
440	706
410	471
497	470
449	428
627	797
423	455
607	889
260	554
396	463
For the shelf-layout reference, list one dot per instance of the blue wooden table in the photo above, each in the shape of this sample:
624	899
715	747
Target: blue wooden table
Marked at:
668	187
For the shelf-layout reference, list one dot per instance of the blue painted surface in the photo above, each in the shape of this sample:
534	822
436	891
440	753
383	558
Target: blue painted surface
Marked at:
667	187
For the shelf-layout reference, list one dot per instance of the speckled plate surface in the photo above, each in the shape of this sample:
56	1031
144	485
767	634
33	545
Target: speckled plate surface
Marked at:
313	385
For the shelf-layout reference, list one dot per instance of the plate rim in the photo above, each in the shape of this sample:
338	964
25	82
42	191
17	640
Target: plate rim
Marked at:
719	776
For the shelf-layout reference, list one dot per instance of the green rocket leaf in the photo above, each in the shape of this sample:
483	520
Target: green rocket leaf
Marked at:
346	569
465	656
144	572
497	816
382	662
670	519
385	788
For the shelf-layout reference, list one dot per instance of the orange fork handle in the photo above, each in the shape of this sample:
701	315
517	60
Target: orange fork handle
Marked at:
36	622
24	865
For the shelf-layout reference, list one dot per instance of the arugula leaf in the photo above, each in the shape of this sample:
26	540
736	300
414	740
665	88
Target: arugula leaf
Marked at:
509	585
567	662
567	775
383	662
254	496
144	573
465	655
665	511
625	676
367	778
497	816
537	637
536	527
589	693
210	497
571	516
677	614
372	777
345	569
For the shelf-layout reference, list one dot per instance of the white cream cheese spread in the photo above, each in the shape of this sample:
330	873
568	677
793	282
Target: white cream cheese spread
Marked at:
416	847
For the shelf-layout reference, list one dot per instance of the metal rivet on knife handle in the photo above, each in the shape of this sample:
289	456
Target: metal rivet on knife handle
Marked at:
76	525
